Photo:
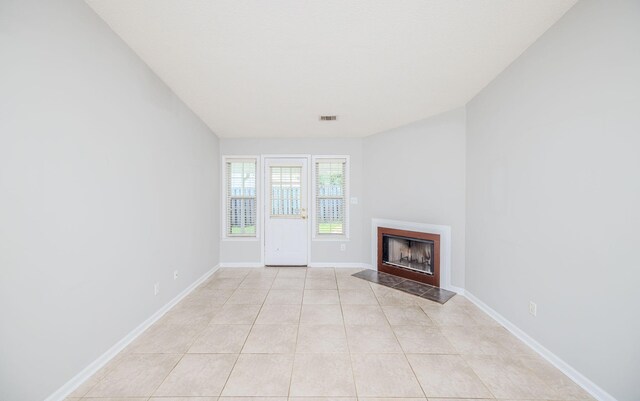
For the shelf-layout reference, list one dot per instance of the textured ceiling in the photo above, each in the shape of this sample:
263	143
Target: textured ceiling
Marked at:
255	68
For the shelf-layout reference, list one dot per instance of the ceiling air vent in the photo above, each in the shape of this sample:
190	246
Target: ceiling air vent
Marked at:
328	118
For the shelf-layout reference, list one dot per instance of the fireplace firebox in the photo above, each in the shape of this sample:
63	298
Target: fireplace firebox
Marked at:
409	254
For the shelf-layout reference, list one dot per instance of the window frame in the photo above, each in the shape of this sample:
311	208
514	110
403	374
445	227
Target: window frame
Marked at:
347	188
226	236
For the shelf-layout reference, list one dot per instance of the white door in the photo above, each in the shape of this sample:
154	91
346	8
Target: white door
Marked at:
286	210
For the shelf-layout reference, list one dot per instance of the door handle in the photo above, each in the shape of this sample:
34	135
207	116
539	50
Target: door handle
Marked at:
304	216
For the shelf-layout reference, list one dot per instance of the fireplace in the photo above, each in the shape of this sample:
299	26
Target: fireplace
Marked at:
409	254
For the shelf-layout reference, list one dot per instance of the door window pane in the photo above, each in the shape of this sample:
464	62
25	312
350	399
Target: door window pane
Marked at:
286	195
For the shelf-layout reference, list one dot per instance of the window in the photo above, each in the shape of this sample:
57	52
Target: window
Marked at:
330	181
286	191
241	197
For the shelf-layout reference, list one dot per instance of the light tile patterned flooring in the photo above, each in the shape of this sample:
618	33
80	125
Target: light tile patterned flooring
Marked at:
296	334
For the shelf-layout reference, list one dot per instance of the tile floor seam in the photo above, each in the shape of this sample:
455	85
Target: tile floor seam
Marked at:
168	374
89	389
453	347
415	376
344	327
478	376
197	336
253	323
117	362
244	343
526	371
295	347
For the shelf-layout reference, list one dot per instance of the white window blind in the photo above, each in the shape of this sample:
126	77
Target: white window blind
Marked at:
286	191
330	196
241	203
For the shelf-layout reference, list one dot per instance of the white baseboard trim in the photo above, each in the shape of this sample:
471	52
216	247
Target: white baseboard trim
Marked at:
354	265
596	391
457	290
242	264
67	388
311	265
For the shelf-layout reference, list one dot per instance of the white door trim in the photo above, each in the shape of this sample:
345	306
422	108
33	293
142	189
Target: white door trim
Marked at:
263	197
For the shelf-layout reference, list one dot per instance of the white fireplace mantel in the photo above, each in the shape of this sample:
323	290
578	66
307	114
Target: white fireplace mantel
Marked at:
445	244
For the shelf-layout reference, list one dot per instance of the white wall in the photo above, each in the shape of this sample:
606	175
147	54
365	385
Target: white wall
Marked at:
234	251
553	188
107	184
417	173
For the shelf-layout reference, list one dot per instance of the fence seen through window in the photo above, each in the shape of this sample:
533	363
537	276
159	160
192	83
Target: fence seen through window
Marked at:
241	198
330	196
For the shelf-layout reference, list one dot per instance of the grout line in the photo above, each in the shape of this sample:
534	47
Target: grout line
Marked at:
295	347
438	328
244	343
346	335
415	376
183	355
168	374
445	337
134	353
117	361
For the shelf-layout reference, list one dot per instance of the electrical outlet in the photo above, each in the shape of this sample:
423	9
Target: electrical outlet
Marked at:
175	274
533	309
343	247
156	288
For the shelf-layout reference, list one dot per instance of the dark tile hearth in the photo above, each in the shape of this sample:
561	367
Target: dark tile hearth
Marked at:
413	287
438	295
388	280
405	285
